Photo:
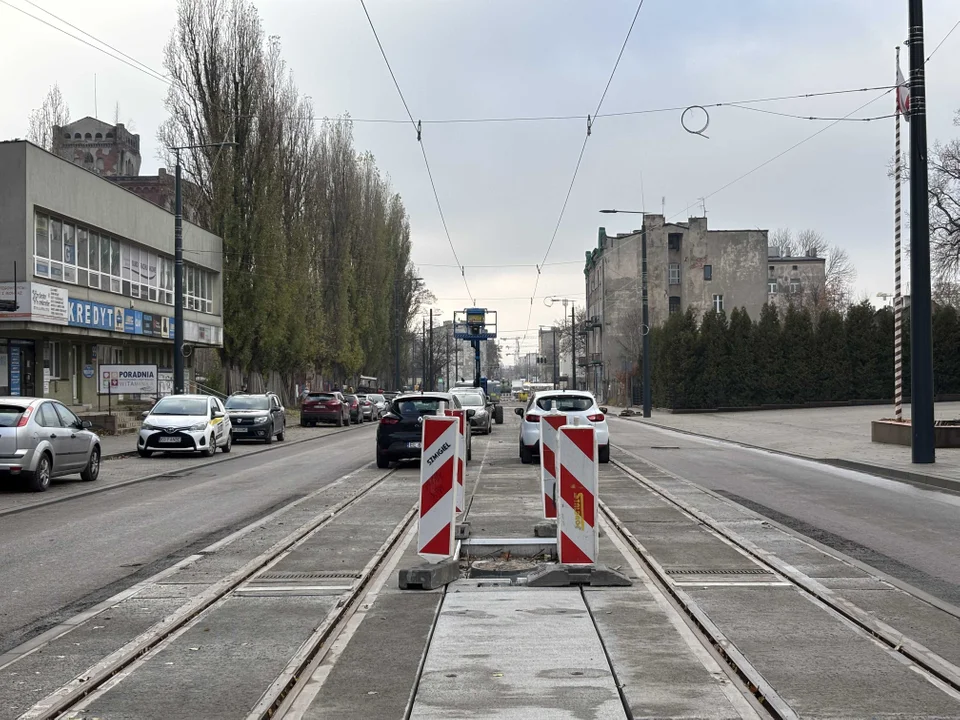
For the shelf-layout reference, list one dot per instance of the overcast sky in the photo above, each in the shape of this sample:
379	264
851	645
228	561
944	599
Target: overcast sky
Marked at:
502	185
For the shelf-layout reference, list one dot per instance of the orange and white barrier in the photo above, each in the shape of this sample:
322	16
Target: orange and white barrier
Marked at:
550	425
438	487
577	531
461	453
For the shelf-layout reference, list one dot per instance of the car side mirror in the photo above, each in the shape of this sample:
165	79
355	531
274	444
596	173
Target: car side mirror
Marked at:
471	413
604	410
86	424
217	414
144	414
518	411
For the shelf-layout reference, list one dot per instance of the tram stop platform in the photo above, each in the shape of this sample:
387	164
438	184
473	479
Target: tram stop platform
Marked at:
728	615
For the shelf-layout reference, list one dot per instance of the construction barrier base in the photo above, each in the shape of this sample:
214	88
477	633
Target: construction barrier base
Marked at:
430	576
574	575
545	528
463	531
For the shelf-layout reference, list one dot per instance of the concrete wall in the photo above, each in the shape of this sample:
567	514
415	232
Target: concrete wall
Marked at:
13	212
810	272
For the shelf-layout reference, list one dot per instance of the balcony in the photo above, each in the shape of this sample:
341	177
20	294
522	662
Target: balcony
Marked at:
582	361
596	359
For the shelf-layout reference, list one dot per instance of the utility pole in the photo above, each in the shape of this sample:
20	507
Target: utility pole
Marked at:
645	319
447	360
556	361
921	331
396	356
573	346
423	354
432	371
179	383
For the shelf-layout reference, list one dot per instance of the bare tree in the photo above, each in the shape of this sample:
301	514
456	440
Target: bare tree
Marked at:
945	206
52	113
839	271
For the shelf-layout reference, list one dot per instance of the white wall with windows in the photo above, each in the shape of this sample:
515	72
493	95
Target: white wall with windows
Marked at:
70	252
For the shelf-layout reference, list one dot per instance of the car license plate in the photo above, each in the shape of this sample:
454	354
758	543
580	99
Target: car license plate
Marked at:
413	445
170	440
239	429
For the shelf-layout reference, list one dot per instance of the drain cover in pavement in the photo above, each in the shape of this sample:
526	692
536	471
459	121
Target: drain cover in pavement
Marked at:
327	575
716	571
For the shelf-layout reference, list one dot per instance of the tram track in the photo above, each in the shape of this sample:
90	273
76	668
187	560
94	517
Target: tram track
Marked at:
123	662
938	670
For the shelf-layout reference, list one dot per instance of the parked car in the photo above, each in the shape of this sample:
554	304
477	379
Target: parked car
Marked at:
353	403
327	407
256	417
185	423
400	431
42	439
380	400
482	420
574	403
368	408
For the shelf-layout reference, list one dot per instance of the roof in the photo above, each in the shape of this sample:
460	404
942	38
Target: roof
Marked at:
800	258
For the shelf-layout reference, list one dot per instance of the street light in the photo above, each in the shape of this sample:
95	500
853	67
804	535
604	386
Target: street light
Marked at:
645	319
398	384
549	301
178	382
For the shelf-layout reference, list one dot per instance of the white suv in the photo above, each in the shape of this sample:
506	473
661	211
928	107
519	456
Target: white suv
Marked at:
574	403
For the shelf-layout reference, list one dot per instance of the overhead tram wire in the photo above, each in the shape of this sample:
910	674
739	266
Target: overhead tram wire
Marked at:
138	66
423	151
583	147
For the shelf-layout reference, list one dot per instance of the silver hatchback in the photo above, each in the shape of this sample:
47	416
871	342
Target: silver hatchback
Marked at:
42	439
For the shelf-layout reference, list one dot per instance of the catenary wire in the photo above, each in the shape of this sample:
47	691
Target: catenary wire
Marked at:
423	150
140	67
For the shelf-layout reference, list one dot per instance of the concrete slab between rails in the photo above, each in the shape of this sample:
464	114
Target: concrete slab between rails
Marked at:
517	653
556	576
485	547
429	576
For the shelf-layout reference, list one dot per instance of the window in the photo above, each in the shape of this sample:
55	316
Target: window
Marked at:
52	355
83	244
88	136
566	403
42	246
47	416
67	418
771	271
794	286
718	303
708	272
794	267
772	287
673	241
69	253
673	275
674	304
99	136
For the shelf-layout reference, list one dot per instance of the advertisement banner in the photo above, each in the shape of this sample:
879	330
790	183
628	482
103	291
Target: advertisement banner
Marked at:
36	303
129	379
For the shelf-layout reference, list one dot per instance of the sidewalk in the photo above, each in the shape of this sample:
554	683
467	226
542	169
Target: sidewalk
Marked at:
838	435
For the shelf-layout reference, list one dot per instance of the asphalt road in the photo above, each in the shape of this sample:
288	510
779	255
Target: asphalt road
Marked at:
908	532
60	559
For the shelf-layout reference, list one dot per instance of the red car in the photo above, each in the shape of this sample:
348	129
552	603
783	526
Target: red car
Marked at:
326	407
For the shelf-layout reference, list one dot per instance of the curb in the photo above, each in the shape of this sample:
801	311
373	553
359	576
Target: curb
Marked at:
173	473
905	476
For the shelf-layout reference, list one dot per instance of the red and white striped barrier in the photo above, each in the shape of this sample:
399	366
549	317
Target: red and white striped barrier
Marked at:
461	453
550	425
577	532
438	488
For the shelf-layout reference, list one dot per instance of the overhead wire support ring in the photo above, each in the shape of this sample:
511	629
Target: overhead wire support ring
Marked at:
706	121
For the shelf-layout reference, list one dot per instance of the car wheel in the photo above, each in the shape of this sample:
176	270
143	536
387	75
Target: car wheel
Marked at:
39	480
269	438
340	421
603	453
211	447
144	453
92	471
526	454
383	462
282	435
229	446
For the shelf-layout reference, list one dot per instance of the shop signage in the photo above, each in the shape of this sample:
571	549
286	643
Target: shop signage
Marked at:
89	314
129	379
37	303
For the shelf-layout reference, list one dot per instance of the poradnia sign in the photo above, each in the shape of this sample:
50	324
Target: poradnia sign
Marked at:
128	379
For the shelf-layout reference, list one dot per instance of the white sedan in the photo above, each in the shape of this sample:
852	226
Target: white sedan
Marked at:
574	403
185	423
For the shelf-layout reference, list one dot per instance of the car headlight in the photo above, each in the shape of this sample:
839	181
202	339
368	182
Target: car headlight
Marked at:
148	426
197	427
261	420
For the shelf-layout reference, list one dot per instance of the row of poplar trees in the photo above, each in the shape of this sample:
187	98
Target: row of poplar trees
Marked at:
791	357
316	263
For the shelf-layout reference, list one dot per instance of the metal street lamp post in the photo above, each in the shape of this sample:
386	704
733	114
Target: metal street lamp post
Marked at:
178	380
549	301
645	319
